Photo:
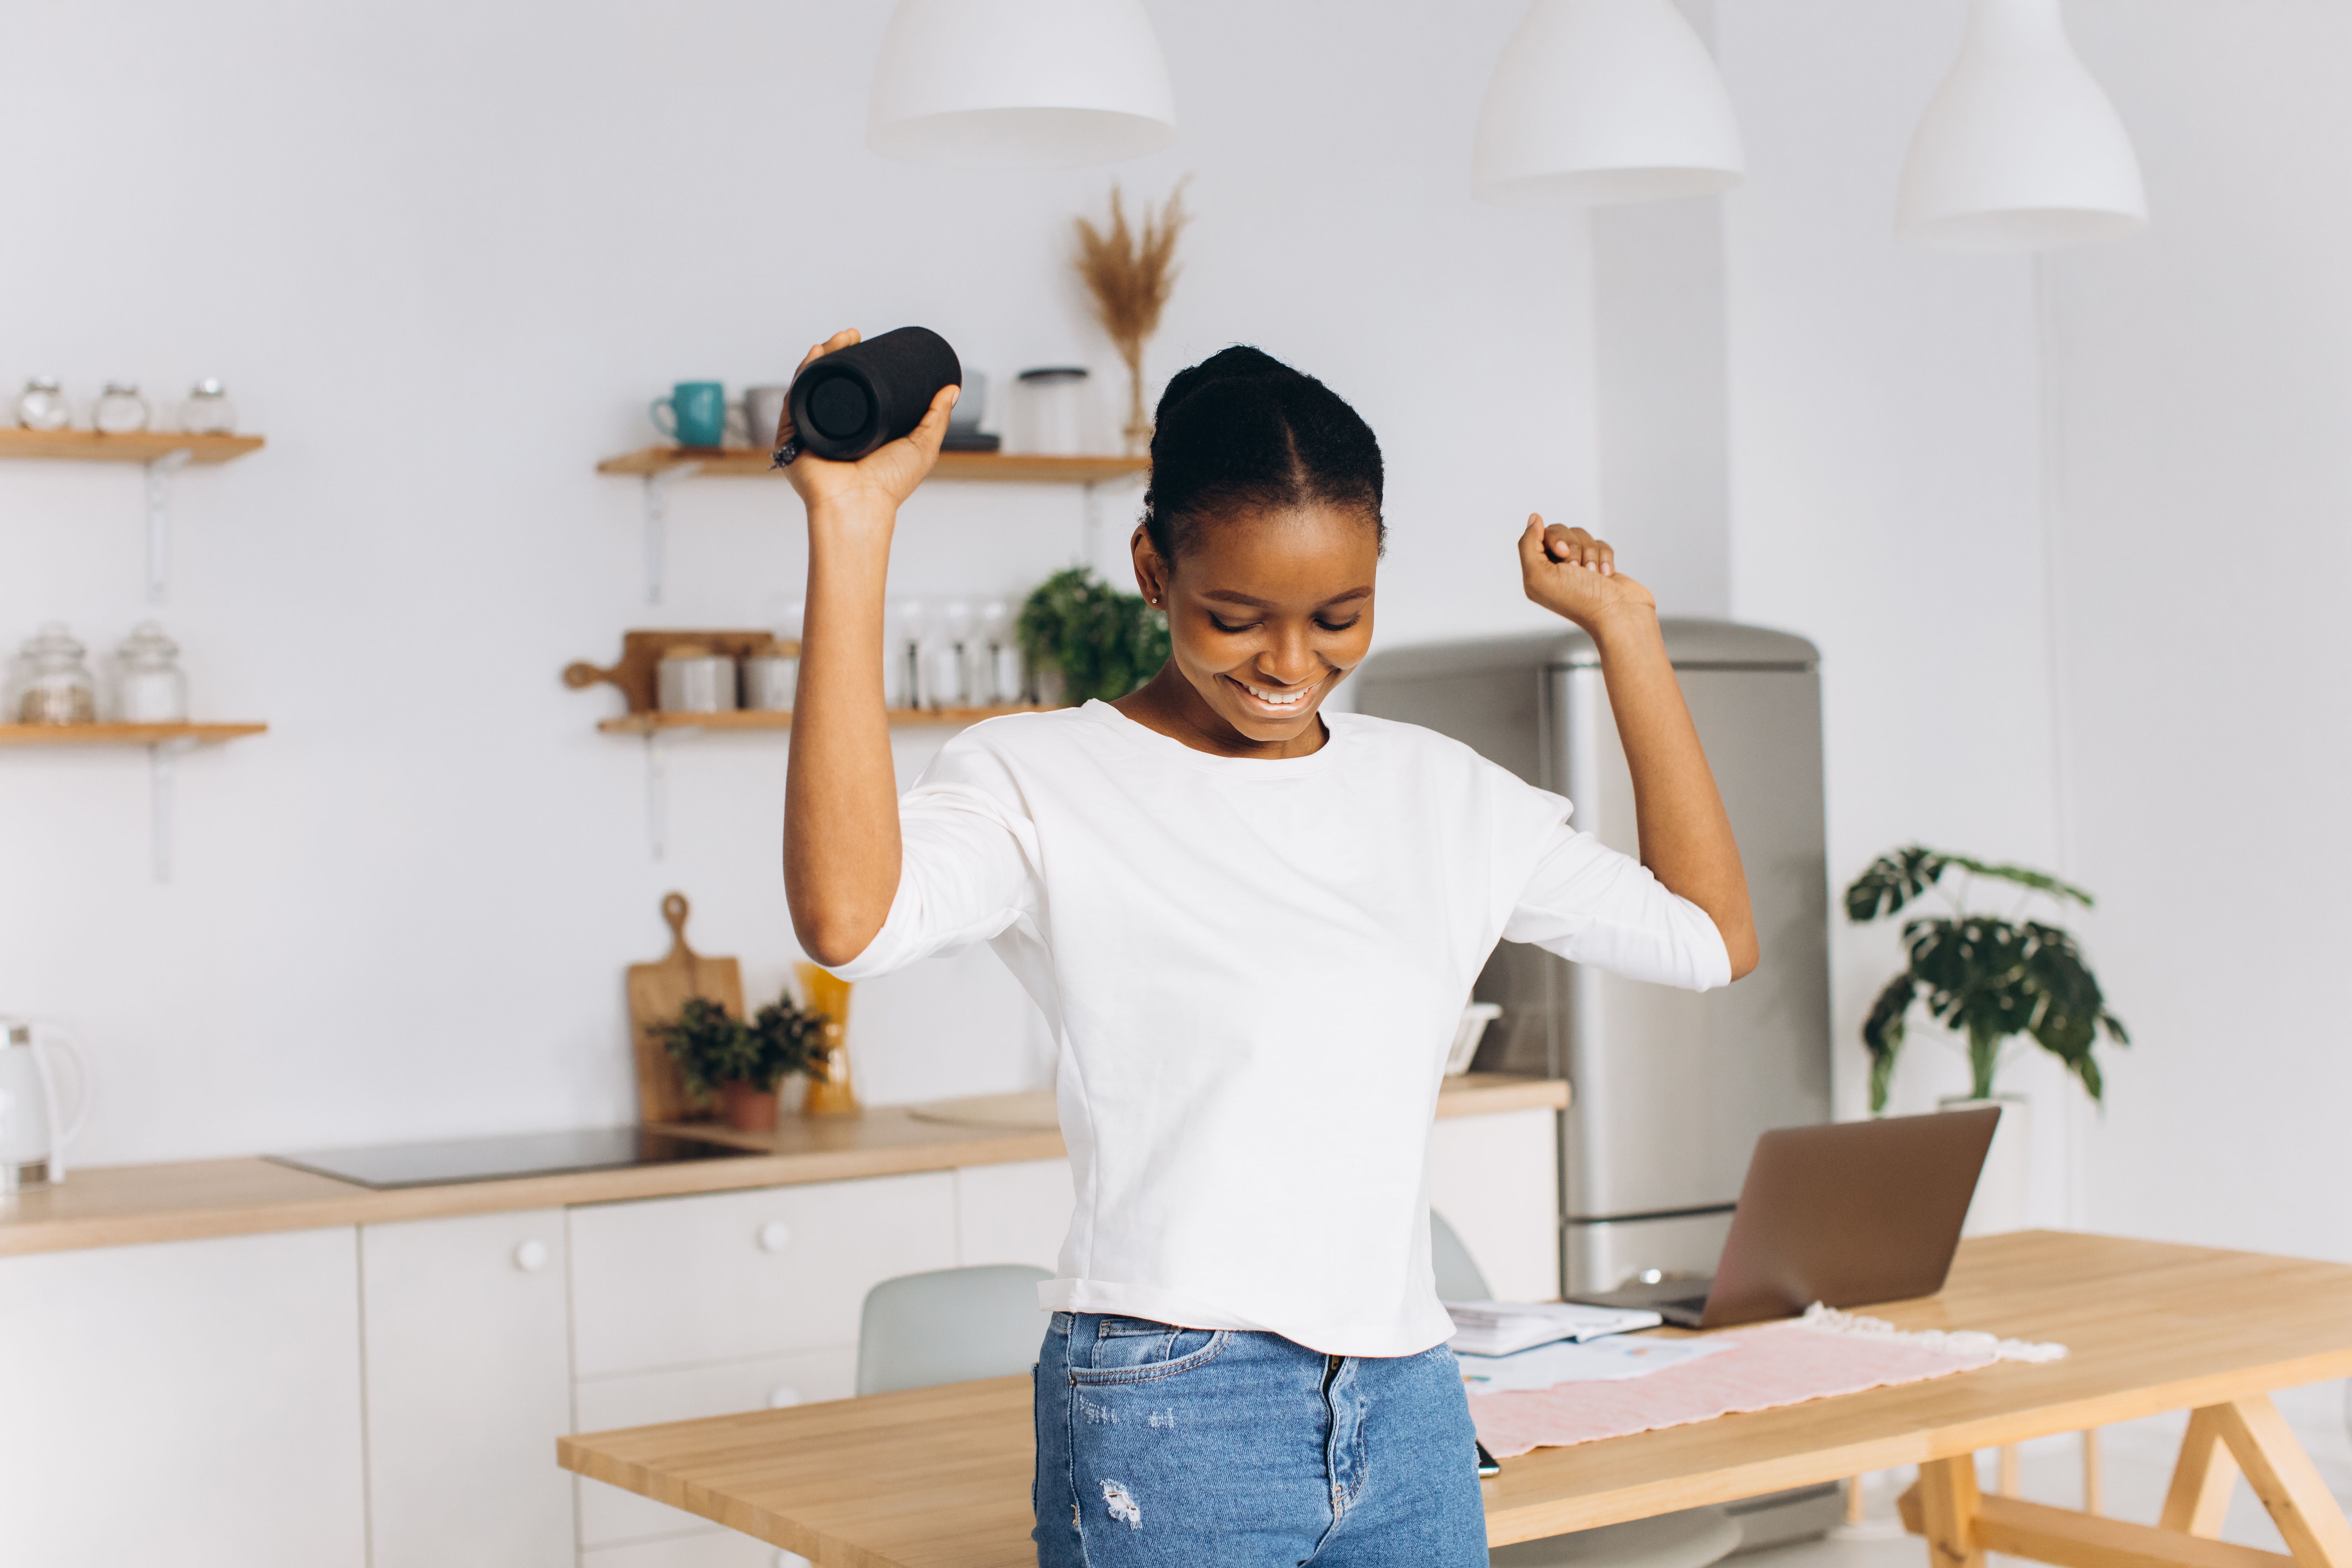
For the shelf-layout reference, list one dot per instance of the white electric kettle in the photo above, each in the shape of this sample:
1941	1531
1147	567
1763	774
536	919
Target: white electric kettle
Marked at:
33	1135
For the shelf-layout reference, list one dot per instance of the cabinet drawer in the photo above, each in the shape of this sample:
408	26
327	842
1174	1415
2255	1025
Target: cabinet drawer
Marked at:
1018	1212
607	1513
731	1276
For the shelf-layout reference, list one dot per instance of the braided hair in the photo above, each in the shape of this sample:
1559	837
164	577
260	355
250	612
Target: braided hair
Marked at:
1243	431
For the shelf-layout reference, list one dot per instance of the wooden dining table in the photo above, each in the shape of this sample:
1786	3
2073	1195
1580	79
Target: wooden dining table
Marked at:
939	1478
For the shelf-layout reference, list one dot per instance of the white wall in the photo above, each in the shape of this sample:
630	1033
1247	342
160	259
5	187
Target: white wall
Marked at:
1885	484
2175	745
441	254
2205	377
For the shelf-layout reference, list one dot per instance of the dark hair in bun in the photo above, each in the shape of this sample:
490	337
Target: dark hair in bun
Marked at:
1243	431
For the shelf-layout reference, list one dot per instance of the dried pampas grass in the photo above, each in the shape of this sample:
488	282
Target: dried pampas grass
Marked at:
1130	277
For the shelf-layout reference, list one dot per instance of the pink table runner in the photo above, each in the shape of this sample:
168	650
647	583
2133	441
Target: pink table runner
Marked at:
1778	1363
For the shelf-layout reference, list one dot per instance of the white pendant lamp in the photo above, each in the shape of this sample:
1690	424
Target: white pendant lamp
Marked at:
2020	150
1019	84
1601	102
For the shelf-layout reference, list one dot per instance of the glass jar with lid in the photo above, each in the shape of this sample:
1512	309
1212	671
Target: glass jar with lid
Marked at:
52	685
207	411
119	410
150	688
42	405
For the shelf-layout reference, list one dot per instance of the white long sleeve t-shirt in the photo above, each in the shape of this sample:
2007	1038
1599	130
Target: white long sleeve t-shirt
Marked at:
1254	970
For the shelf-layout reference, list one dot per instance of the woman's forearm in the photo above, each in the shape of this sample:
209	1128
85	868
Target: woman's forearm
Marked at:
1684	835
841	793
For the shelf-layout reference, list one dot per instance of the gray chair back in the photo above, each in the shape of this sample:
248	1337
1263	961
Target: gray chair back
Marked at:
1458	1279
952	1325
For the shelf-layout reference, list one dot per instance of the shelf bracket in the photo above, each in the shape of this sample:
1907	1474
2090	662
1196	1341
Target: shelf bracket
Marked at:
162	763
657	488
159	520
658	787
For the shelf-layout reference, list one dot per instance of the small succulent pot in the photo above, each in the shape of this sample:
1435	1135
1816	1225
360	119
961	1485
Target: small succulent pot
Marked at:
746	1109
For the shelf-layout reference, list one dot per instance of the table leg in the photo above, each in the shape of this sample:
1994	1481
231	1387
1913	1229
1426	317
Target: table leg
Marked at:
2202	1479
1961	1527
2283	1477
1948	1504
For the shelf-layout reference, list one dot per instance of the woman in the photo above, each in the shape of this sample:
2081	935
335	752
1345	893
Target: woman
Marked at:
1252	927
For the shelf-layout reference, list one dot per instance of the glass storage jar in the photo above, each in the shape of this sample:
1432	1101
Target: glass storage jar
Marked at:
119	410
150	688
53	685
207	411
42	405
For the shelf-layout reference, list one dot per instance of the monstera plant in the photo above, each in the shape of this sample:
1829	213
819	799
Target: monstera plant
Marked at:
1986	977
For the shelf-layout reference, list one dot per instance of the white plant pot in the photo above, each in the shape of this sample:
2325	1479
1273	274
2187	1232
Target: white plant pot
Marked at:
2007	1183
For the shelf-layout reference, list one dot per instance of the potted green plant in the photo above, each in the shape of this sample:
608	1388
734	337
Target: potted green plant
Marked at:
1081	634
1987	978
740	1064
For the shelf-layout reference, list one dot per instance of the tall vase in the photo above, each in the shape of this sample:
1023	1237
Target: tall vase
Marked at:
2007	1184
829	1090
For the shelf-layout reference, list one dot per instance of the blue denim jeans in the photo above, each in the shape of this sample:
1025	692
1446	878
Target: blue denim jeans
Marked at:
1193	1447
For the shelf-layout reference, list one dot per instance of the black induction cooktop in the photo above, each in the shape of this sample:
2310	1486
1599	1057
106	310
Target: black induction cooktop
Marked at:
386	1166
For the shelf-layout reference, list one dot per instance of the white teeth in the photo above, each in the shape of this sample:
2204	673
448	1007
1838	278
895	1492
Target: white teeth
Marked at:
1276	699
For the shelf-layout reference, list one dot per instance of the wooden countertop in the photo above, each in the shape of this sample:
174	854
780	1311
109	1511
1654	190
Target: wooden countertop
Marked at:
120	1204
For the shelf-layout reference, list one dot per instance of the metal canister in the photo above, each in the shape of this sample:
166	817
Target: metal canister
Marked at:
693	678
770	675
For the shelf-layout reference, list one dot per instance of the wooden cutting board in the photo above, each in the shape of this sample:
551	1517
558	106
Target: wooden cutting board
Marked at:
657	992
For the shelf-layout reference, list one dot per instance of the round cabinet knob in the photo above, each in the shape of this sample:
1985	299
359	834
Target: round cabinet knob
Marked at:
531	1257
784	1398
776	1236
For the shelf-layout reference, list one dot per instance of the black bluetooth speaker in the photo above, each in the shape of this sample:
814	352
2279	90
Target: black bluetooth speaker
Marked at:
848	402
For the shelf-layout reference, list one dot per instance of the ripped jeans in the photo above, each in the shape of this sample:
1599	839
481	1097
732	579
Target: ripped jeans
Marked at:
1186	1447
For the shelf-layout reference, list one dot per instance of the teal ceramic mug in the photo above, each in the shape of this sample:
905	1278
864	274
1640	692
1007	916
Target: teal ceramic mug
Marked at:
693	415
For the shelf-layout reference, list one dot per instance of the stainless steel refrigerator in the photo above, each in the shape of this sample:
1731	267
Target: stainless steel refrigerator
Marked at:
1670	1088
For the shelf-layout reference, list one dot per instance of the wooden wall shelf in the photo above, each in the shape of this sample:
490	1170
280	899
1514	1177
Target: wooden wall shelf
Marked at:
139	447
745	719
124	734
749	462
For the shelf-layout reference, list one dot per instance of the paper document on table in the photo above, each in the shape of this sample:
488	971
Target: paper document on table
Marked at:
1566	1361
1501	1327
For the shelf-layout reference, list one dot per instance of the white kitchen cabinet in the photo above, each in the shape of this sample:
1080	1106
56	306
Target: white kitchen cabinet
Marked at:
610	1515
1014	1214
673	1282
186	1402
721	1549
1495	1179
468	1386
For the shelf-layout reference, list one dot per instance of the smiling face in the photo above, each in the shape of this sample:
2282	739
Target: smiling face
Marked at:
1267	612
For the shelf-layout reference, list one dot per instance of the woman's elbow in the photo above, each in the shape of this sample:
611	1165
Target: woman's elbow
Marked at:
832	942
1741	945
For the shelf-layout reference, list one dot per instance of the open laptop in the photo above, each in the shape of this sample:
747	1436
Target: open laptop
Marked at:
1847	1214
